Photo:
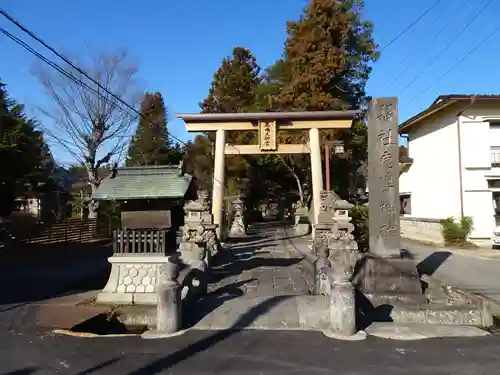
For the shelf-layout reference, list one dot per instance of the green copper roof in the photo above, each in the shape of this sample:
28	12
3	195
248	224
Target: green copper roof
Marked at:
145	182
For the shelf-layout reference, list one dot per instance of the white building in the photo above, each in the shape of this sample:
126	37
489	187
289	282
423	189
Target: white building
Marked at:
455	147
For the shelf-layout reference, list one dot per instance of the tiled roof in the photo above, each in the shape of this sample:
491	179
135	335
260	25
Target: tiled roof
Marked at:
442	102
147	182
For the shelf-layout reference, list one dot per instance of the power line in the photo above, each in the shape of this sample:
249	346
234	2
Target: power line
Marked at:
45	60
71	76
71	64
424	47
63	72
411	25
81	71
448	45
484	40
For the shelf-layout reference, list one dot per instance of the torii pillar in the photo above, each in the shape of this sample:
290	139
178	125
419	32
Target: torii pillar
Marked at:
218	184
267	124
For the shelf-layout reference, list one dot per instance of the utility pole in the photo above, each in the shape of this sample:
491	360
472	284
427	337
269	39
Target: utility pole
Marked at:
338	148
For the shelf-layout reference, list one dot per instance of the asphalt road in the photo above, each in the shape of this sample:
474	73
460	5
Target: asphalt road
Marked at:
243	352
26	351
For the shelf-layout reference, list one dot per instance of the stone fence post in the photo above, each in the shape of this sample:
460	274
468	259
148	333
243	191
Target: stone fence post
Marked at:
169	298
169	301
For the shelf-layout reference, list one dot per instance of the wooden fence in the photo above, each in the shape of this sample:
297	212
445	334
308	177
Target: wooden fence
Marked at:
139	241
68	231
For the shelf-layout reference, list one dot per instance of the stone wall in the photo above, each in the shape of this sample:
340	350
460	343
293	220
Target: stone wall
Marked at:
422	229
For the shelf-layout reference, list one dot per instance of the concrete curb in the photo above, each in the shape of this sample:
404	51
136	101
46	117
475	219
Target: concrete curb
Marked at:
87	335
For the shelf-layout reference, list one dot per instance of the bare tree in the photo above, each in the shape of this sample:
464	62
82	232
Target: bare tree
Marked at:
91	124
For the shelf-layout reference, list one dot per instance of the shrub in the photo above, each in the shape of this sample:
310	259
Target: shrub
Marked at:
359	214
456	232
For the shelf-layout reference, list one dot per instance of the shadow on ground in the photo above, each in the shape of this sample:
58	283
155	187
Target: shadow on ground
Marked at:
431	264
231	262
162	364
248	255
40	272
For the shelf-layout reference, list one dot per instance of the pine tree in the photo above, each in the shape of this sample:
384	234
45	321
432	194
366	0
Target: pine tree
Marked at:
233	90
151	144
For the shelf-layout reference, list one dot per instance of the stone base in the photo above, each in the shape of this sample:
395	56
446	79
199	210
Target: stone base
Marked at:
387	276
391	291
358	336
237	229
154	334
132	280
422	331
439	314
302	229
302	312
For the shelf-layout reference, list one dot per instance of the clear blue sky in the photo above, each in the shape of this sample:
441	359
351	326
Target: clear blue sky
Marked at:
178	45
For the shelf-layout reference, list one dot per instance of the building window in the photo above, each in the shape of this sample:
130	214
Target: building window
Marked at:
495	156
405	204
494	184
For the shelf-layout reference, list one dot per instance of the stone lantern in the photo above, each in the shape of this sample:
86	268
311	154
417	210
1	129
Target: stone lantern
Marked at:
192	246
302	225
238	225
343	256
210	234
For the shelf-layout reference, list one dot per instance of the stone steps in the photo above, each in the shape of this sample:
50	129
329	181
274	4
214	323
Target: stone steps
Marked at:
246	312
396	298
449	315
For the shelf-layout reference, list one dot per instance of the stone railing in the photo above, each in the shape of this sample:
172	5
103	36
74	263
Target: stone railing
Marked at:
422	229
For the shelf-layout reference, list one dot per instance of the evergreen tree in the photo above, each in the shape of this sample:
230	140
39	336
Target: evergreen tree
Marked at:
26	164
233	90
199	162
234	84
327	57
325	66
151	144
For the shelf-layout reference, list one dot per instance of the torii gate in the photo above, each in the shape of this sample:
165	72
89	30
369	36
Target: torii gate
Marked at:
267	124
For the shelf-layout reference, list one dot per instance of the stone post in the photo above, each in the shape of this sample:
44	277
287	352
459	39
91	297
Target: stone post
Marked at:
342	311
238	226
343	257
383	177
168	308
320	244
